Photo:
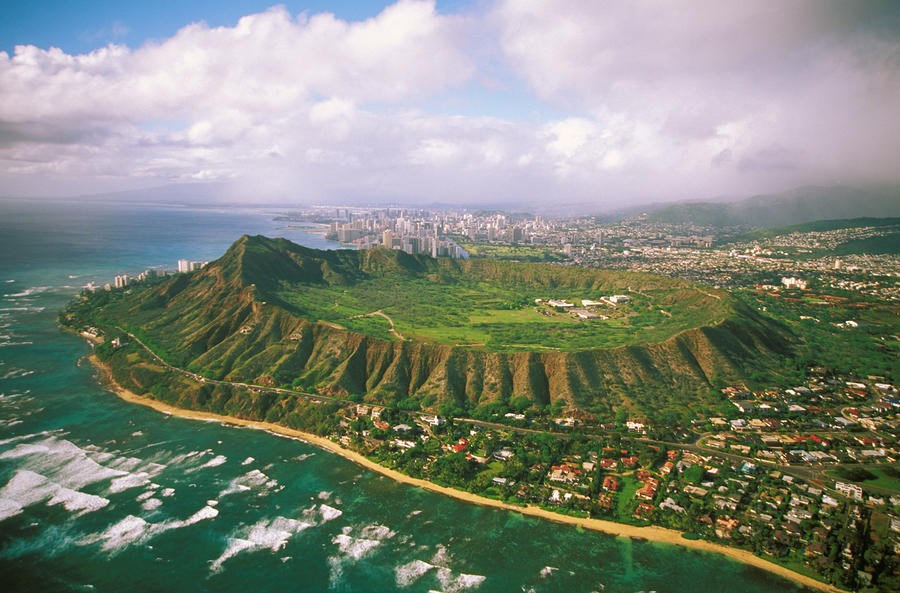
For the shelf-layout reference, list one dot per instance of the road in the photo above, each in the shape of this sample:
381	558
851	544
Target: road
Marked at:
380	313
201	379
813	474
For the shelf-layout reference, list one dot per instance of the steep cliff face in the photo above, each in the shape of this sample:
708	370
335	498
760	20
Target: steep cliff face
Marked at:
228	321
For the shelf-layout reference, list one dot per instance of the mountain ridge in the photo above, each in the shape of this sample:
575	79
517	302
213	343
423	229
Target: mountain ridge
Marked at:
801	205
231	320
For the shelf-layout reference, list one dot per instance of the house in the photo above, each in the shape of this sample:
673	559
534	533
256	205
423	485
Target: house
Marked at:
560	304
670	504
637	425
724	527
459	446
610	483
849	490
695	490
648	490
584	314
434	420
564	473
644	510
504	454
605	501
608	464
630	462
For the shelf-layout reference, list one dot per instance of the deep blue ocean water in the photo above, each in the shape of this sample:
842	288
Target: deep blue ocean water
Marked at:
100	495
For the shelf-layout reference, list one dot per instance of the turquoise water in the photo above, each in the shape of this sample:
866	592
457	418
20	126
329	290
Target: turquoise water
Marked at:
100	495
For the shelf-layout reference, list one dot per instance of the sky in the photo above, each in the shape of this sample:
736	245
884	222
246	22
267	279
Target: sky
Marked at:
597	105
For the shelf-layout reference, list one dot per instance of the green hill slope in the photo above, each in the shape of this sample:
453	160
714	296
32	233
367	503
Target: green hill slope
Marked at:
274	313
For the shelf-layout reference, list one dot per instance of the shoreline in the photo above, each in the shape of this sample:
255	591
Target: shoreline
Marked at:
650	533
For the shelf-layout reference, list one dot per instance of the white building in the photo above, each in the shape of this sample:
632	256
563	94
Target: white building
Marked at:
792	282
120	281
184	266
560	303
850	490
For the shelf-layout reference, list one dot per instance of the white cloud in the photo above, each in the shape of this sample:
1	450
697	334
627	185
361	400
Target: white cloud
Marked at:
649	100
770	92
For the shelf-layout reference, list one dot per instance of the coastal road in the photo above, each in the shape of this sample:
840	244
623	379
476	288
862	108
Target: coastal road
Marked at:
251	387
812	474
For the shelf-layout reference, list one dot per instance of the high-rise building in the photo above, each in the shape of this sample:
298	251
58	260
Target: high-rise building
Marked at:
120	281
184	266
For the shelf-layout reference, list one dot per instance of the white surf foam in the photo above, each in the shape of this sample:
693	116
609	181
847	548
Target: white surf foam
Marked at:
129	481
29	292
409	573
203	514
167	492
252	479
328	513
61	461
370	537
133	530
77	502
16	373
145	495
265	534
547	571
9	508
454	583
122	534
214	462
24	489
151	504
248	461
442	556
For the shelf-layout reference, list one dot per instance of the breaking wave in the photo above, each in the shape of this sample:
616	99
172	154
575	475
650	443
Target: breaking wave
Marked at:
265	534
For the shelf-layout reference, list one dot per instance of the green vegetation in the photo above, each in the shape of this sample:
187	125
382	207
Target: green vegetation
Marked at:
868	349
886	477
384	326
818	226
457	307
523	253
886	244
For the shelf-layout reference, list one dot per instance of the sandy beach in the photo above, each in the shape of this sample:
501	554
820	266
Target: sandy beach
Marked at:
651	533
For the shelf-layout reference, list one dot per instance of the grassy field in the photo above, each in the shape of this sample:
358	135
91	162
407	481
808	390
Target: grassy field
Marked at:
498	317
526	253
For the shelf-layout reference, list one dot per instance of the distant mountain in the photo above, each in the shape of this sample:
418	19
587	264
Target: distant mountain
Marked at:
819	226
805	204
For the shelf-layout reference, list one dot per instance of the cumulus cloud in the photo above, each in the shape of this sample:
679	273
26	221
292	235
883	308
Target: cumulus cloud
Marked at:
650	101
768	92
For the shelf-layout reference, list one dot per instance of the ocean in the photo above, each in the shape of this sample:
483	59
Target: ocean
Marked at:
104	496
